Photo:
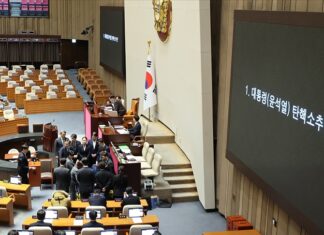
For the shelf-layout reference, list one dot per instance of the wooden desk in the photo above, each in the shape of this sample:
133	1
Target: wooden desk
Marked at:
6	210
35	175
22	194
111	204
53	105
13	156
9	127
19	98
108	222
237	232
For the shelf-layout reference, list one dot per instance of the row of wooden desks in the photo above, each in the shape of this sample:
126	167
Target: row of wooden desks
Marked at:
108	222
236	232
9	127
6	210
21	192
111	204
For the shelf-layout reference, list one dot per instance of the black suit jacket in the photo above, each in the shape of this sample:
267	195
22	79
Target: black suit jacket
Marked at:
136	130
86	179
104	179
64	152
119	107
97	200
22	164
62	178
58	144
41	223
119	185
93	224
74	146
92	150
83	151
131	200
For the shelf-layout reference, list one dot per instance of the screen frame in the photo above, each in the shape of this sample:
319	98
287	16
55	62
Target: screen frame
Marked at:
109	68
37	17
304	19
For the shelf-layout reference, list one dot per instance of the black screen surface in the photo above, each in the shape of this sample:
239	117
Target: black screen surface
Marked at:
276	113
112	44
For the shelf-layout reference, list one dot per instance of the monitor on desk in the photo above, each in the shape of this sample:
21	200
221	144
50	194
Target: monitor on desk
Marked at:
25	232
15	180
109	232
98	214
70	232
148	231
135	212
51	214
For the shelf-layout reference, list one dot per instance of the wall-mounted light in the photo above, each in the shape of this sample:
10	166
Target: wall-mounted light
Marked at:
74	40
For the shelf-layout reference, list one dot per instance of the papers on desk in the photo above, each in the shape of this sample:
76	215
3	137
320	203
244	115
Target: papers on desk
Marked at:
137	220
118	126
130	157
48	221
122	131
124	149
78	222
139	159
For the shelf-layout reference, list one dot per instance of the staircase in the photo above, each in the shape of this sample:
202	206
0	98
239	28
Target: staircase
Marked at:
182	182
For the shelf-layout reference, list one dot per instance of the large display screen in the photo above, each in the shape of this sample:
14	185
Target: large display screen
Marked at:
112	42
276	133
24	8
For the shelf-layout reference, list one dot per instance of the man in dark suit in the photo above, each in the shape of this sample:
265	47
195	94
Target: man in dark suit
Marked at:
104	179
65	150
136	130
129	198
93	223
23	165
74	143
62	176
93	149
97	198
120	183
41	216
118	106
59	142
86	179
83	149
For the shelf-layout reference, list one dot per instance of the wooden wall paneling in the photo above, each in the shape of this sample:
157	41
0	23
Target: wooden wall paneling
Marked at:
283	221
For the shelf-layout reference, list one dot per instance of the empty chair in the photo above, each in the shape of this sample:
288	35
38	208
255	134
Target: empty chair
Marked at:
44	66
41	230
11	84
36	89
23	77
29	83
46	171
48	82
127	207
51	95
102	210
31	96
3	67
99	82
12	73
103	87
9	114
155	170
28	72
42	77
30	67
31	149
59	71
68	87
13	151
145	148
56	66
62	211
91	231
44	71
60	76
5	78
20	90
149	158
16	67
65	82
53	88
70	94
137	229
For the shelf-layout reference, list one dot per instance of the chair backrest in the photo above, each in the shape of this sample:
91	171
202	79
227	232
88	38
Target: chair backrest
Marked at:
62	211
46	165
99	81
70	94
68	87
31	149
3	191
91	231
42	77
156	163
8	114
144	128
134	105
150	156
60	76
56	66
52	88
13	151
20	90
59	71
137	229
102	209
5	78
41	230
145	149
31	96
127	207
36	89
28	72
29	83
48	82
12	84
65	82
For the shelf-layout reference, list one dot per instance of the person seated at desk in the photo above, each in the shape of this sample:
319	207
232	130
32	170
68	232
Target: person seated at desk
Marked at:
22	166
136	130
62	176
93	223
117	105
130	198
97	198
41	216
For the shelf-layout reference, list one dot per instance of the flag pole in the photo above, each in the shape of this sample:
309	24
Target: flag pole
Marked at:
148	52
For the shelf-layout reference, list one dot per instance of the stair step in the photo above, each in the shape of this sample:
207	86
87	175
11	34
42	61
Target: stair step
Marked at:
175	166
185	197
181	188
180	179
177	172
